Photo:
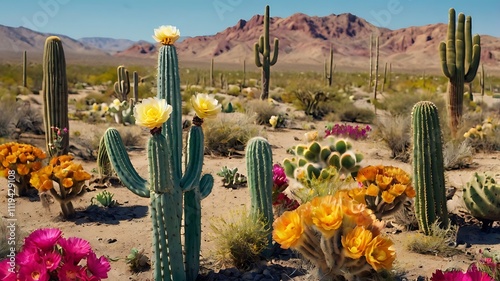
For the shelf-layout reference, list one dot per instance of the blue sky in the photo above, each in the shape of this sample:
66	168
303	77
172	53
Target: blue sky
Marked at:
134	19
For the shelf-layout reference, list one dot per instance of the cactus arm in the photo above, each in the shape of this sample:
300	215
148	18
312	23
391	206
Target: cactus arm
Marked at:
121	164
103	165
476	59
468	40
206	185
444	64
258	63
194	158
275	52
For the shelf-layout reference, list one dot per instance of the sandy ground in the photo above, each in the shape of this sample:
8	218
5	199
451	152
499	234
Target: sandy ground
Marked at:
113	232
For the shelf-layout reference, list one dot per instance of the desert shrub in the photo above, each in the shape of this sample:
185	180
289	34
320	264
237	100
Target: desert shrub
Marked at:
8	109
228	133
457	155
352	113
395	131
441	243
261	111
28	119
138	261
131	136
240	239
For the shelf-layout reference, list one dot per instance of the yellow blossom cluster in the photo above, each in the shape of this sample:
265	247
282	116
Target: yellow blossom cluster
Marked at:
61	169
337	233
23	158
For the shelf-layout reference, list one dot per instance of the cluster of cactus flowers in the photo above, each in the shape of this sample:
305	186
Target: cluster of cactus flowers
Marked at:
23	159
487	268
382	188
481	198
281	201
348	131
47	255
483	131
316	161
338	234
70	178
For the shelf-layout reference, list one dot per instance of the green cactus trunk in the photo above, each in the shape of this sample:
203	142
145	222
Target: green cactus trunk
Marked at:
428	168
259	162
263	48
168	186
460	57
55	96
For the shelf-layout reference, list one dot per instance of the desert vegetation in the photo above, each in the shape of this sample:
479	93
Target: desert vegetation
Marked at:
316	202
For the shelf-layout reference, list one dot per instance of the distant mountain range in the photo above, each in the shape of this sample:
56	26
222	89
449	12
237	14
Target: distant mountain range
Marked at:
304	40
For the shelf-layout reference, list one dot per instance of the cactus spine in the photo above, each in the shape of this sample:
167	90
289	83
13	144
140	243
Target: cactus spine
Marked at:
460	56
168	186
259	160
329	69
263	48
428	167
55	97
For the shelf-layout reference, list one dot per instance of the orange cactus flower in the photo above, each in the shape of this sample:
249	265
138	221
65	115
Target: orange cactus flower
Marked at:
383	181
388	197
288	229
23	169
67	182
355	242
380	253
372	190
327	214
367	174
397	189
410	192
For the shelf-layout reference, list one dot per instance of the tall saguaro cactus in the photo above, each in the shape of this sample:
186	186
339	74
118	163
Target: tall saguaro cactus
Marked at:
263	48
55	97
428	167
122	86
259	160
460	56
329	68
169	187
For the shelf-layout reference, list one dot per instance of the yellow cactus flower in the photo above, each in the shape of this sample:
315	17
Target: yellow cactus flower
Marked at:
95	107
166	34
104	107
311	136
372	190
273	121
380	253
23	169
327	214
355	242
288	229
388	197
152	112
367	174
397	189
67	182
205	106
383	181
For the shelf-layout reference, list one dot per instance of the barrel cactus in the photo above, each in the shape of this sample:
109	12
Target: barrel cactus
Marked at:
428	168
481	197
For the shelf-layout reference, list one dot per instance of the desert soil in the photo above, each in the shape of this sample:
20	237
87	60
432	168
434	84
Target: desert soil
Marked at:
114	231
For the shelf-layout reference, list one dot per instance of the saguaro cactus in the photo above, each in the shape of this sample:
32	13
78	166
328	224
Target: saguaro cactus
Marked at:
25	60
259	160
122	86
55	97
263	48
168	185
460	56
428	167
329	68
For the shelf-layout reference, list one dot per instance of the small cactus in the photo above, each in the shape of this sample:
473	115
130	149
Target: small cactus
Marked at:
481	197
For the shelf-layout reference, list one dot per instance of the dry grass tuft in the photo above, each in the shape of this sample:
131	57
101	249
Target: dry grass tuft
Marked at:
441	243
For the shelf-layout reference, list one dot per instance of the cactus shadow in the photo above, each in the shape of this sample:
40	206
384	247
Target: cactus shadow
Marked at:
474	234
112	215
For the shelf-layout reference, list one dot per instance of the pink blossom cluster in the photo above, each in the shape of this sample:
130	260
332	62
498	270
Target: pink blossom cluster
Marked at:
47	256
472	274
280	183
348	131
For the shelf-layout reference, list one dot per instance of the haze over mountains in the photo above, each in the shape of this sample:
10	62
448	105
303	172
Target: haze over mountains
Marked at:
304	41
